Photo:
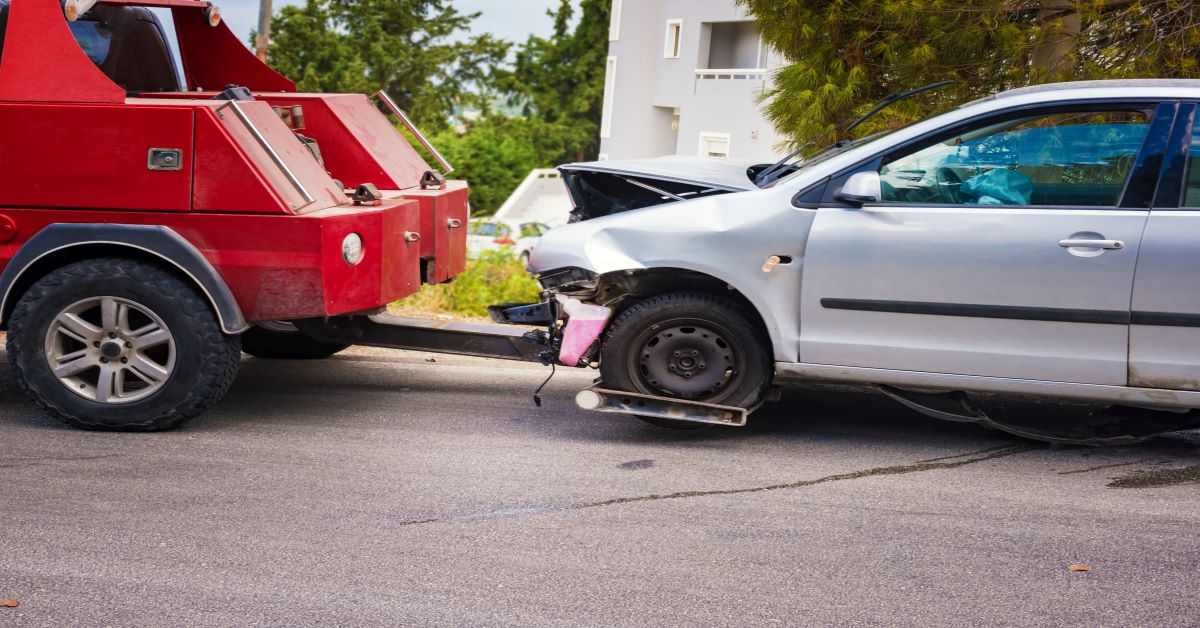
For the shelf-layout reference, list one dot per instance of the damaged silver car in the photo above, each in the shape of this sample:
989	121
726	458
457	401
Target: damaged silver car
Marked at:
1042	242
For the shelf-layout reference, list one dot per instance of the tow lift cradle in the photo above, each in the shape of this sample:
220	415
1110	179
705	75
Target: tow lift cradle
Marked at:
506	342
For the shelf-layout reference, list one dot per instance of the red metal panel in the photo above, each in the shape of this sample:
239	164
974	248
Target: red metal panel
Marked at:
390	268
214	57
88	156
43	63
441	241
254	163
278	267
359	144
372	135
225	178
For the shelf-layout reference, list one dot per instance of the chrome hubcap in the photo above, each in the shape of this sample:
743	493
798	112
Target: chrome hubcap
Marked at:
110	350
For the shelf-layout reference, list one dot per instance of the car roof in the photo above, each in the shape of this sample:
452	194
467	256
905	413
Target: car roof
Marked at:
1151	87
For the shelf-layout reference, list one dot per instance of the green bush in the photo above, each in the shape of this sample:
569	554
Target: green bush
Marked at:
494	277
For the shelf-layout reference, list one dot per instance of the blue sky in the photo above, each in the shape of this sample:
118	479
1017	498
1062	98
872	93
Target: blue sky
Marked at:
513	20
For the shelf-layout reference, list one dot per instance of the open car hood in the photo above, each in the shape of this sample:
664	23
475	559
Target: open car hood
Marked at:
600	188
724	174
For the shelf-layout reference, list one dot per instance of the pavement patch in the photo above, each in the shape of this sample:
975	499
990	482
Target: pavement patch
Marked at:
1158	478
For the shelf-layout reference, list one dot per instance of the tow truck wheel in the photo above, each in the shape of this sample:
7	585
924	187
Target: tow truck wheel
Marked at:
281	340
117	344
698	347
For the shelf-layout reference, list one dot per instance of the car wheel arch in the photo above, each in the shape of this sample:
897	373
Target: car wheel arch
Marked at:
620	289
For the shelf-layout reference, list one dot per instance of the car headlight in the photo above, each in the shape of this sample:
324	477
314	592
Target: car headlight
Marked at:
352	249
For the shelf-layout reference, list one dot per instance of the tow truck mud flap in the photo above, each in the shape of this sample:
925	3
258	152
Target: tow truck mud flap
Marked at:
619	402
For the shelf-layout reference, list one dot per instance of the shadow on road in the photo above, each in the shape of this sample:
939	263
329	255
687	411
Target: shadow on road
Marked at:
482	397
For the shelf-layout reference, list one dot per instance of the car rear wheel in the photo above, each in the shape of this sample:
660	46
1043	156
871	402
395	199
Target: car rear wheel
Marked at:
119	344
281	340
692	346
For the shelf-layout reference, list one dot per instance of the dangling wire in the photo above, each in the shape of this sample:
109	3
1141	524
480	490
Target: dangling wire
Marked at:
537	400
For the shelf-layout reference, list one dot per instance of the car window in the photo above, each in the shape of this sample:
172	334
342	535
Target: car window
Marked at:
94	37
1071	159
483	229
503	230
1191	190
533	230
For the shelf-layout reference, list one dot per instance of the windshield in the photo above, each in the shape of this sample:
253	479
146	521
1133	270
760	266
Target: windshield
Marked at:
830	152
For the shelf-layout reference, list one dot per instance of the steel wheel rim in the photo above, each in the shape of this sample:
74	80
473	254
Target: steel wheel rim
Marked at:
687	359
110	350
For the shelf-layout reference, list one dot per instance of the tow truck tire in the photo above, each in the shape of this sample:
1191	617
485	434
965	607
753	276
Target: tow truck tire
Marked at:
282	341
135	347
693	346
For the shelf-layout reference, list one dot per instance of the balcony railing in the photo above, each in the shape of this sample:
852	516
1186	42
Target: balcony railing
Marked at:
752	78
735	74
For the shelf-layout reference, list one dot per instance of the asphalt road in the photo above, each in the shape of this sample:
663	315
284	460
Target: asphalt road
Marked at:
379	488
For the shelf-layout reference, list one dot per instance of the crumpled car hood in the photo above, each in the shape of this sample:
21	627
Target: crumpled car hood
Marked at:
603	188
726	174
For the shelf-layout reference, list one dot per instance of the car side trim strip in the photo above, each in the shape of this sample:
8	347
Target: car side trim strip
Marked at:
1015	312
1165	319
1064	315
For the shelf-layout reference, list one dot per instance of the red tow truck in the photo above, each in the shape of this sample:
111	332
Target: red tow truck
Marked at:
154	226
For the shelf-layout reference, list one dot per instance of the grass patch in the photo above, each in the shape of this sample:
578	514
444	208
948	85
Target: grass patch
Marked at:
493	277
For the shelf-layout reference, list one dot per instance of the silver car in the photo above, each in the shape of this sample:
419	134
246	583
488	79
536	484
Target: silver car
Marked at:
1042	242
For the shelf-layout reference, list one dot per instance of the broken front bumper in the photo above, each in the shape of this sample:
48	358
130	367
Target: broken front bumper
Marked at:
573	343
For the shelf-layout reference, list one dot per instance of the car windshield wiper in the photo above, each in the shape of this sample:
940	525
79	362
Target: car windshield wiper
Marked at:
882	104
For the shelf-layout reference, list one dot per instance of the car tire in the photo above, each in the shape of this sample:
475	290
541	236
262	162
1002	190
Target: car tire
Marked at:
133	347
694	346
282	341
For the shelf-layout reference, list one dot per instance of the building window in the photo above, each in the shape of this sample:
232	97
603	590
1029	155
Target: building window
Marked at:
610	88
734	45
674	40
614	24
714	144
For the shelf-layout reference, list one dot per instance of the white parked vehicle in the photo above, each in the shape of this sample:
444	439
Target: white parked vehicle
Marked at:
1042	242
496	235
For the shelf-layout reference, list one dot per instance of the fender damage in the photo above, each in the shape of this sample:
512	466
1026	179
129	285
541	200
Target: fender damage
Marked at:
676	224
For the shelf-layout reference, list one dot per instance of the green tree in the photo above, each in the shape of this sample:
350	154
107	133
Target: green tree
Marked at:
559	81
844	55
407	47
494	155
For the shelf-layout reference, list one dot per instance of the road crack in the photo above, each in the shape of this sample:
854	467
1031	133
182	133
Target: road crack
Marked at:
937	464
903	469
1105	466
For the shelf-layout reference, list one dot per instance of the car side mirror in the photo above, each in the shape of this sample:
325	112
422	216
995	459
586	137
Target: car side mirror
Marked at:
861	188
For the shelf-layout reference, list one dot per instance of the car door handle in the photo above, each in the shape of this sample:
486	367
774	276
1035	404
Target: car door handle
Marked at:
1091	244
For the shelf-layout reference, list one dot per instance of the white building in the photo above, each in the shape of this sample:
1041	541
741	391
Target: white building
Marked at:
683	78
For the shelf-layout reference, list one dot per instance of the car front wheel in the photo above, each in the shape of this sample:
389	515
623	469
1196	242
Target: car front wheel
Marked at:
692	346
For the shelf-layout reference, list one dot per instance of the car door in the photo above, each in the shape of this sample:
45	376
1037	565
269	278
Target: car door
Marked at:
998	248
1164	336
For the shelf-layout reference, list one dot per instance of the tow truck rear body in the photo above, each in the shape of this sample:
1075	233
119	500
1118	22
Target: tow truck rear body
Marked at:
223	187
